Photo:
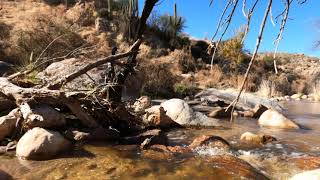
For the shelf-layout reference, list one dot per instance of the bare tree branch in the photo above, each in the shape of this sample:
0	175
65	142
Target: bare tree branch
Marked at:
220	19
233	104
279	36
248	16
228	20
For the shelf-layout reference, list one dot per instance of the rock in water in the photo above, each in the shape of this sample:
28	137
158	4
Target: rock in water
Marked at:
40	144
156	117
7	123
274	119
256	139
210	141
308	175
178	110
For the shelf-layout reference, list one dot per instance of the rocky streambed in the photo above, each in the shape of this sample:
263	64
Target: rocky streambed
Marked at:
222	152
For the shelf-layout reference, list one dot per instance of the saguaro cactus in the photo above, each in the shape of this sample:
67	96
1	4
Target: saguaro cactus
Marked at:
176	24
131	15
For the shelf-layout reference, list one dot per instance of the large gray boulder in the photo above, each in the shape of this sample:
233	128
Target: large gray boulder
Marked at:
40	144
8	123
180	112
60	69
274	119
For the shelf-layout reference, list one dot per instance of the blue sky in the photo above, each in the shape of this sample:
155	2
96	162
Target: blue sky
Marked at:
299	34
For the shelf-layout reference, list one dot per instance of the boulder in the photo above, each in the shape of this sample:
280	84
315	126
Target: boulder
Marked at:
296	96
41	144
236	168
256	139
178	110
210	141
8	123
274	119
142	104
307	175
58	70
41	116
220	113
156	117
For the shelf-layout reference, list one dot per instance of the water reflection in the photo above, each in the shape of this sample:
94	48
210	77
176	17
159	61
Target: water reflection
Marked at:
127	162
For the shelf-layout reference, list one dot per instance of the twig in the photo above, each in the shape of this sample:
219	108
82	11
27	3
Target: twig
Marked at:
279	36
248	16
23	73
234	103
228	20
271	18
221	17
45	49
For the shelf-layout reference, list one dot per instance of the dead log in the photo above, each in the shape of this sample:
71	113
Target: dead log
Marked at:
41	116
47	97
247	100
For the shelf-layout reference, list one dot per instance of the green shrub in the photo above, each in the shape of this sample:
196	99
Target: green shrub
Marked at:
183	90
232	49
268	63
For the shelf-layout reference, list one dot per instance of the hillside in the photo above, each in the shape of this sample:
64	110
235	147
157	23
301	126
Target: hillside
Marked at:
28	27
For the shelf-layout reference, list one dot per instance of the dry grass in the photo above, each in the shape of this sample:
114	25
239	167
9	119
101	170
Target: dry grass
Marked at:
33	28
209	78
159	81
268	89
186	62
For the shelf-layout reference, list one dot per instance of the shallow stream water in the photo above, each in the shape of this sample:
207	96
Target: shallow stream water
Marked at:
102	161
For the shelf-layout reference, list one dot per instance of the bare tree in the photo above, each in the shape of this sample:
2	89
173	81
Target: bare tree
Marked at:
224	22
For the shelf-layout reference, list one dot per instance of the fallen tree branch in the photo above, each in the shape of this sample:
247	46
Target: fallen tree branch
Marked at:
59	83
45	96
